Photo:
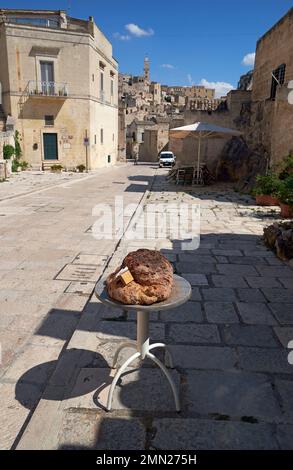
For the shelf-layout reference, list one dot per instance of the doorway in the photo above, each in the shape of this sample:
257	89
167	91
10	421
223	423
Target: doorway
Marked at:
50	146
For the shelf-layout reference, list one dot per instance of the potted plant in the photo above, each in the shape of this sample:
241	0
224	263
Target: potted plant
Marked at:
266	189
285	196
23	165
80	168
285	168
56	168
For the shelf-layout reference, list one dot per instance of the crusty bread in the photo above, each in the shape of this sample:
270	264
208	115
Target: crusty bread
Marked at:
153	279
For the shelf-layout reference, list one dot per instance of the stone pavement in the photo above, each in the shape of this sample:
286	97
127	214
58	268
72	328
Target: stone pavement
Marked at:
49	262
27	182
229	344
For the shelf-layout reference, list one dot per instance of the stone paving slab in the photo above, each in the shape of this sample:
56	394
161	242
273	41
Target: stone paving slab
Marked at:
204	357
221	312
145	389
219	294
93	432
189	312
247	335
283	311
264	360
255	313
285	436
197	333
284	334
201	434
14	410
235	394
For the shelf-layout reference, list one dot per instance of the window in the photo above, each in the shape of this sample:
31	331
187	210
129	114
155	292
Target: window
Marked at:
113	137
47	78
112	87
102	136
142	137
102	86
95	138
49	120
278	77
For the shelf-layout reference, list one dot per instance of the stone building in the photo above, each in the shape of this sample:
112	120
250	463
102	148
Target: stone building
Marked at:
59	81
230	114
156	139
135	137
271	113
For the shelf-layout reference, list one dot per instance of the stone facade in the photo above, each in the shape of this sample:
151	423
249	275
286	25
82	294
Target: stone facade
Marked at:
272	115
59	77
227	114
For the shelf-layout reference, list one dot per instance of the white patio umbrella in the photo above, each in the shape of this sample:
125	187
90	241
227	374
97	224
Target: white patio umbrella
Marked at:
202	130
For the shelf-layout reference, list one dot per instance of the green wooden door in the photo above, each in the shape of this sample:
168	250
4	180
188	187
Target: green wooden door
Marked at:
50	147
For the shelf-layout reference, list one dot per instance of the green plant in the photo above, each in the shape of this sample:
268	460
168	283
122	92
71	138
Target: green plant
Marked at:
14	165
56	167
80	168
18	151
8	151
285	191
23	164
266	184
285	167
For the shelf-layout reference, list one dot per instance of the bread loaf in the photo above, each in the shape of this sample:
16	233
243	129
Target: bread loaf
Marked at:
152	279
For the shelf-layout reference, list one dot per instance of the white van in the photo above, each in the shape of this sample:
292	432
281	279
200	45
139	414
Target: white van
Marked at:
167	158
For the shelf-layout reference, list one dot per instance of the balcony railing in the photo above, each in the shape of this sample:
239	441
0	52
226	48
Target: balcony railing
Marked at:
54	89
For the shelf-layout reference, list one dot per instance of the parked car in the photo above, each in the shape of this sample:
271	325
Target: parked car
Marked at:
167	159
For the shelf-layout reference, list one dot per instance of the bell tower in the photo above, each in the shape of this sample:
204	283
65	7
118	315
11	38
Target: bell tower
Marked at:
146	69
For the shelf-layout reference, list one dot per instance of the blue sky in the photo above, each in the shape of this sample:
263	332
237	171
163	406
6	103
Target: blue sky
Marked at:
187	41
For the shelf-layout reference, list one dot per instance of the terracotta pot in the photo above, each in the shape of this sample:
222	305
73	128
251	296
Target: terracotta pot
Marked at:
266	200
286	211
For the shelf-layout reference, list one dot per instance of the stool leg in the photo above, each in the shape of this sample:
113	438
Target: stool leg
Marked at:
170	380
122	346
143	336
117	376
168	354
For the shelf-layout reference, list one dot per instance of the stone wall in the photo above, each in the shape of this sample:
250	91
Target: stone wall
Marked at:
230	116
272	120
6	138
155	140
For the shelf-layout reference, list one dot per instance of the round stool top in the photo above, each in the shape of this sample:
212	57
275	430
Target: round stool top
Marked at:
180	294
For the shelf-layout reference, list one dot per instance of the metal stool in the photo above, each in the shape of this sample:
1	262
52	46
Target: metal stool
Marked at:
180	294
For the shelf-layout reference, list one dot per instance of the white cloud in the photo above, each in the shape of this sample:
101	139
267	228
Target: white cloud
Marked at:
135	30
249	59
168	66
190	81
122	37
221	88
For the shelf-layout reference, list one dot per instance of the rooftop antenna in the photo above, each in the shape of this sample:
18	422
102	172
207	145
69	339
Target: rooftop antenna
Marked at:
68	7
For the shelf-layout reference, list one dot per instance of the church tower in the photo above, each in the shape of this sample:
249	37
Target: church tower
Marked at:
146	69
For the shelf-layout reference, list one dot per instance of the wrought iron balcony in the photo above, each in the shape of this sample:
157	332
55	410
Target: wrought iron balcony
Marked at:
47	89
